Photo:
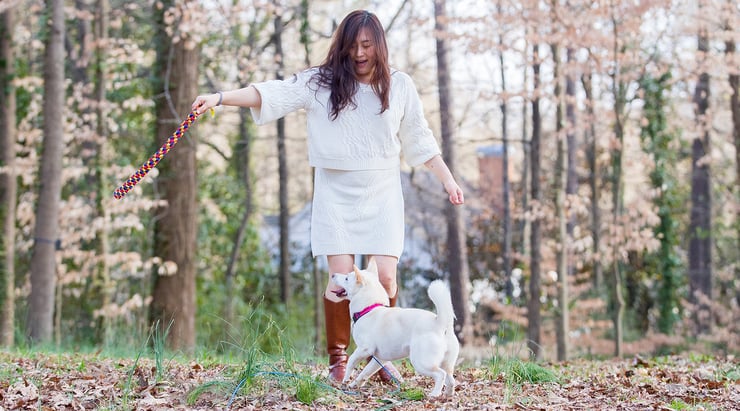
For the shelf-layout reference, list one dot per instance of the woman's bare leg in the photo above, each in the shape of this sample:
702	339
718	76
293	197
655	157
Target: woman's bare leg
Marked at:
387	268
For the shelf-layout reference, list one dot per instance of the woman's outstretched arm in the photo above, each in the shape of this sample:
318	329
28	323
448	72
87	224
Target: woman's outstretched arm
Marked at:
243	97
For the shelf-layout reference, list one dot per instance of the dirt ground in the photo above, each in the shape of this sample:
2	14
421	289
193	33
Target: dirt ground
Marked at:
87	382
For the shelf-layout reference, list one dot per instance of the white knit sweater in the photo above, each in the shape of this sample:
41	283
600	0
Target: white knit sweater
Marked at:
359	138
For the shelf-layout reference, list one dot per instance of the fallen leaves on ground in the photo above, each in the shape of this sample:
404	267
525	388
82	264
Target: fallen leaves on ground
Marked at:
88	381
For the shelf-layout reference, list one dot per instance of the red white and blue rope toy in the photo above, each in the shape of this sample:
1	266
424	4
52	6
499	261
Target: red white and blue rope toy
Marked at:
157	157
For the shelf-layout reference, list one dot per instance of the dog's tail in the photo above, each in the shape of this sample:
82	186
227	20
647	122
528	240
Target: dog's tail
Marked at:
440	296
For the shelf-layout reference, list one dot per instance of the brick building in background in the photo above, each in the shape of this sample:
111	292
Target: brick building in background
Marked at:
490	167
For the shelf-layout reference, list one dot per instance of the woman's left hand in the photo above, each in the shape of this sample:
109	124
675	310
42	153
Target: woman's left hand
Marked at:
443	174
455	193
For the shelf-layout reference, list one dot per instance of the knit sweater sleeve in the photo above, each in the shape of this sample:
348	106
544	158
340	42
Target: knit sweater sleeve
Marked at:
417	141
280	97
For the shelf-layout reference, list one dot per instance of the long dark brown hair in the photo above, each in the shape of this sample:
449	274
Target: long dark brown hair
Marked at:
337	72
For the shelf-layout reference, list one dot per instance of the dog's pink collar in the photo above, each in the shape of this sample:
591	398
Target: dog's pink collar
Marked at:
356	316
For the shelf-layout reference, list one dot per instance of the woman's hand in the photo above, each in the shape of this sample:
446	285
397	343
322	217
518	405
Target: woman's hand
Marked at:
455	193
442	172
205	102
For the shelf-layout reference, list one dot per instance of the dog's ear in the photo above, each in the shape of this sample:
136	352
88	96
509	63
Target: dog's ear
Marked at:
372	265
358	275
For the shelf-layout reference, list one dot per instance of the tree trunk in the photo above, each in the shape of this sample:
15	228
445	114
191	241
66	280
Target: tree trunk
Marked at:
8	181
507	263
734	78
562	327
456	252
80	56
242	161
571	185
43	259
700	225
103	158
243	156
618	90
533	303
173	299
526	166
285	286
316	274
657	143
594	176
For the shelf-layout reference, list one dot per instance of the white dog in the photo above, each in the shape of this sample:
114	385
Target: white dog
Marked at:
392	333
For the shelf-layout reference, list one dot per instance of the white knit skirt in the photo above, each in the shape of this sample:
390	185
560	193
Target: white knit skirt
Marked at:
357	212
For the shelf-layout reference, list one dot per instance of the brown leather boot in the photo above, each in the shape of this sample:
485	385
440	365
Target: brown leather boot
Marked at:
383	375
337	322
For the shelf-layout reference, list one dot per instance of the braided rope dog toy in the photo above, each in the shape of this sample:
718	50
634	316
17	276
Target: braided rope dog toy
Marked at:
156	157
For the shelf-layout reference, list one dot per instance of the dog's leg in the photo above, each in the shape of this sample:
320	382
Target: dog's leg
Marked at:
439	376
449	367
448	364
371	368
449	384
430	370
428	355
353	360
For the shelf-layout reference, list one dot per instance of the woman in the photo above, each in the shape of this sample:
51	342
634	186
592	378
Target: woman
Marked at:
361	115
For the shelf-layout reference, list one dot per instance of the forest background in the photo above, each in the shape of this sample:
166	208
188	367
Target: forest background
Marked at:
605	224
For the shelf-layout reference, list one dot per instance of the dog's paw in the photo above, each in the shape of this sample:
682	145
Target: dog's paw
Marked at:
450	389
